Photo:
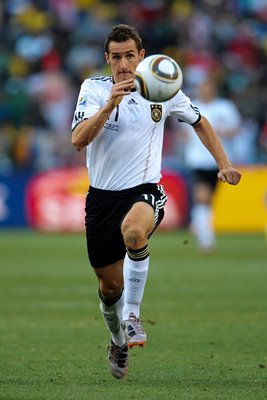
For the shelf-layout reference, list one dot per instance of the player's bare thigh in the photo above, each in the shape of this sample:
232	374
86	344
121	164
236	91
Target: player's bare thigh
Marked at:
202	193
137	225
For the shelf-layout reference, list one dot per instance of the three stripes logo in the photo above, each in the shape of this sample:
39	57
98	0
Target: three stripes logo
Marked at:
156	204
195	109
197	112
132	101
161	202
79	115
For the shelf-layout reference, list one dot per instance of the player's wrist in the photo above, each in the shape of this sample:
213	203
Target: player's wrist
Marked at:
109	107
226	164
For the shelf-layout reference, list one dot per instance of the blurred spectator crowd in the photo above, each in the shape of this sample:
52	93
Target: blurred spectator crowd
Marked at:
48	48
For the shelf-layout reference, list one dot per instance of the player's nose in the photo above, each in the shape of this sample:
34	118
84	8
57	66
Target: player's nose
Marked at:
124	63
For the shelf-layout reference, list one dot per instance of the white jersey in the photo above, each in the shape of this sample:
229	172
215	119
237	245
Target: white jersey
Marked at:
127	152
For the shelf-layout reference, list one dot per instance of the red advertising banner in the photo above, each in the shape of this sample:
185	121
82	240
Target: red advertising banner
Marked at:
55	200
177	206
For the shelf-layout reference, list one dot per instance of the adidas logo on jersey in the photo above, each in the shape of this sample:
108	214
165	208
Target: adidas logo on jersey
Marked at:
132	101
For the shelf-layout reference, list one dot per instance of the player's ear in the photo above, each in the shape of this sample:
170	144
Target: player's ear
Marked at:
107	57
142	54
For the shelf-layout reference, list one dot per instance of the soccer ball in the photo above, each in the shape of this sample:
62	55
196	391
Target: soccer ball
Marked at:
158	78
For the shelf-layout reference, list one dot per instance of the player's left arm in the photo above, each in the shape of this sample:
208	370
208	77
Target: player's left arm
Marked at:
211	141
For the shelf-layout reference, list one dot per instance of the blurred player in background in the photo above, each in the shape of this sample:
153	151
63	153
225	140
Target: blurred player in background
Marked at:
123	137
226	121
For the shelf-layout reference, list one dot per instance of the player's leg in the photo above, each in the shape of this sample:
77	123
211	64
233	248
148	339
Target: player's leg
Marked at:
136	228
201	216
106	252
111	303
139	223
111	296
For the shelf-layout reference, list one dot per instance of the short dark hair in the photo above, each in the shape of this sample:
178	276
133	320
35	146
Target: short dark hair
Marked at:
122	33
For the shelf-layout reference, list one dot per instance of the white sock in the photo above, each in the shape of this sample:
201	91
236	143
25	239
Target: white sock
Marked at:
202	225
135	276
113	316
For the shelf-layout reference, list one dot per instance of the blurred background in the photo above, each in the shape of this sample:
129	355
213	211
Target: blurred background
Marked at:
48	48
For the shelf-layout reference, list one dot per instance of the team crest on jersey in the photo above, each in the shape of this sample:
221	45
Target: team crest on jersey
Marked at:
156	112
82	101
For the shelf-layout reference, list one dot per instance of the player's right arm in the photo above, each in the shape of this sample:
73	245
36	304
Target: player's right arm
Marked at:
85	132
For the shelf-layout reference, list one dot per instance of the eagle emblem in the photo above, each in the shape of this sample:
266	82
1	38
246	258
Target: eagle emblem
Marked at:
156	112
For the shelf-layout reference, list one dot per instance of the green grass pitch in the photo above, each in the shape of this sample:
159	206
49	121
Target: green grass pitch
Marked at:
205	316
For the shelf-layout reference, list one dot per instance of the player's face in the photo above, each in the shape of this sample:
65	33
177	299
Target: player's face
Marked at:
207	91
123	59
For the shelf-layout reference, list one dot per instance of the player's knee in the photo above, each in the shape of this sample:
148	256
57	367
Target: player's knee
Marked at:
134	238
110	290
202	194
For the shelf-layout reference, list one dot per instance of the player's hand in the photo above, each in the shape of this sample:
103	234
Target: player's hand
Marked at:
119	90
229	175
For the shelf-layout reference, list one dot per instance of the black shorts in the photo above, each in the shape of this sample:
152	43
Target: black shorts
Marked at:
206	176
104	212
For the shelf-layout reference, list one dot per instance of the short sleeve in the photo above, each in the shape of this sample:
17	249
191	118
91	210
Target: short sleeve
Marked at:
88	103
184	109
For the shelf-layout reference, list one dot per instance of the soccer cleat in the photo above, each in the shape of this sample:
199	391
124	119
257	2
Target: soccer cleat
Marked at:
134	332
118	358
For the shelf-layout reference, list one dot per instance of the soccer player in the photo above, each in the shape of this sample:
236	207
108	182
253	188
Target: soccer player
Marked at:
226	120
123	135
